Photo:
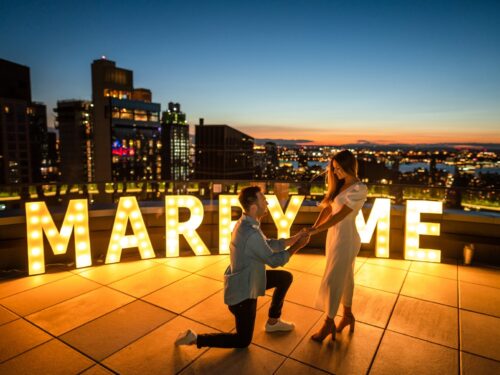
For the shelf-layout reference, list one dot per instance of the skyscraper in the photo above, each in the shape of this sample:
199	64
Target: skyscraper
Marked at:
37	117
15	99
74	121
175	144
126	126
223	152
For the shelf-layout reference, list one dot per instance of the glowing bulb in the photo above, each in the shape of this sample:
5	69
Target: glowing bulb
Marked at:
121	215
80	230
60	248
170	201
36	266
284	223
171	222
51	232
137	225
172	211
35	235
45	219
35	220
35	251
224	201
82	246
79	206
127	203
134	214
276	215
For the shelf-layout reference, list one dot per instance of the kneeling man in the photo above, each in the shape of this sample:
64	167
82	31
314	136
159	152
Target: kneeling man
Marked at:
246	278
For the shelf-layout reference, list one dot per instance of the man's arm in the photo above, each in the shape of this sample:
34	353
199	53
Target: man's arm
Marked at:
303	241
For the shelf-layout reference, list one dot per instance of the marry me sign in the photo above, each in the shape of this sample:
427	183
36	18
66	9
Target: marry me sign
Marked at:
39	223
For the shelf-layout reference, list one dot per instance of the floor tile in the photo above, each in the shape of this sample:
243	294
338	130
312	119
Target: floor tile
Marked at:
292	367
148	281
37	299
19	336
250	361
194	263
449	271
185	293
10	287
393	263
6	315
304	319
349	354
431	288
97	370
70	314
304	289
372	306
479	298
474	365
426	320
480	275
113	272
51	358
378	277
304	262
112	332
156	353
318	268
480	334
399	354
215	271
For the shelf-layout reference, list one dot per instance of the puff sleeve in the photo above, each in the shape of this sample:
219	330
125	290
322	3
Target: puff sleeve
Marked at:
356	197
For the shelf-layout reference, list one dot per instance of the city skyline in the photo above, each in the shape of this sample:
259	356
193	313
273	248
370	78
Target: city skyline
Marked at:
331	73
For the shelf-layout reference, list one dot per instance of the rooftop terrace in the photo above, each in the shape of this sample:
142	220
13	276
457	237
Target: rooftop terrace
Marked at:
413	318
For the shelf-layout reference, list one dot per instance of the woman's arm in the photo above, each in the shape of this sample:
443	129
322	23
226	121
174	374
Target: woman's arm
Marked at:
331	220
323	215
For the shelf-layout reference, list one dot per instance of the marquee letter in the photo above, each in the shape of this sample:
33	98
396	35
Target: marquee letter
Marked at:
414	228
380	216
188	228
284	221
226	225
128	209
39	220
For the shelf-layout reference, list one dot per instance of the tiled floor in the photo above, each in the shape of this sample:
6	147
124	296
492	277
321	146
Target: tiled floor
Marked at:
412	318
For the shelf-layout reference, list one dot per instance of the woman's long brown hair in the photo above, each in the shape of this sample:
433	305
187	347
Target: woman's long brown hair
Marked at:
349	164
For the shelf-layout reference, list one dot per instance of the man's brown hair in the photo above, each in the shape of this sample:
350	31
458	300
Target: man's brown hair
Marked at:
248	196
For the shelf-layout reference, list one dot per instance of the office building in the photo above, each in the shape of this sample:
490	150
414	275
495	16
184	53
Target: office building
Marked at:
15	101
223	152
126	126
74	121
175	144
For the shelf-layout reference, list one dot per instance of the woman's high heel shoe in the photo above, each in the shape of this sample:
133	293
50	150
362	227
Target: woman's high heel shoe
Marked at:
347	320
328	328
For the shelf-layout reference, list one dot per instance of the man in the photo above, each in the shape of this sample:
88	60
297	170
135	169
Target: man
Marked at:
246	278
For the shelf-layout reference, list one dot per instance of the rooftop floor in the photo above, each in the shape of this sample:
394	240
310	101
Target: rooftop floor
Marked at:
413	318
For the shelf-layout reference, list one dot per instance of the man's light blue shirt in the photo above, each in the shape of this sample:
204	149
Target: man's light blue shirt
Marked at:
250	251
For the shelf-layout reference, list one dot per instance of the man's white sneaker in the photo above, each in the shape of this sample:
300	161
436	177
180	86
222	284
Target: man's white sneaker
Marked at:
280	325
186	338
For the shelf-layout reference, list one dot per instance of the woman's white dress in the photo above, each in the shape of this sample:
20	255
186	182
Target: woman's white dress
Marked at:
342	246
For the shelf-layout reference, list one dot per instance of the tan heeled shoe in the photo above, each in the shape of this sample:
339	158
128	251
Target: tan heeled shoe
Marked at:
347	320
328	328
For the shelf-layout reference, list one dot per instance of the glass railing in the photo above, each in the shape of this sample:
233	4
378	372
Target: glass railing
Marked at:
13	197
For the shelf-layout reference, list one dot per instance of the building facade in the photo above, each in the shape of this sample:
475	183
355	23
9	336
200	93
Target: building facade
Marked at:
223	152
175	144
15	101
126	126
74	121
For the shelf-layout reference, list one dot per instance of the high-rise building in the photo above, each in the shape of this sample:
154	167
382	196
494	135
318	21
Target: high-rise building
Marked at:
15	99
223	152
126	126
37	117
272	161
175	144
74	121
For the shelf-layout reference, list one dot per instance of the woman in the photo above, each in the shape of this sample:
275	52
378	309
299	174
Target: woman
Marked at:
345	197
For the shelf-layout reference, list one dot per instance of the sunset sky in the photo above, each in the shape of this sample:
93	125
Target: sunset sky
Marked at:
331	72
